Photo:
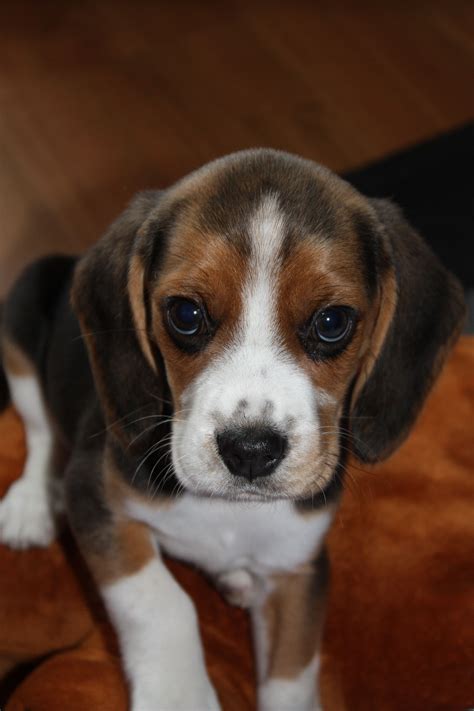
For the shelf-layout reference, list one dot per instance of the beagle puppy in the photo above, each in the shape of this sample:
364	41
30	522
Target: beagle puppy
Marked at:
207	367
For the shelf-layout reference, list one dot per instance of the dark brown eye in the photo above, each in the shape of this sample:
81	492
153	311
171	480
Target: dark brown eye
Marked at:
327	333
332	324
186	317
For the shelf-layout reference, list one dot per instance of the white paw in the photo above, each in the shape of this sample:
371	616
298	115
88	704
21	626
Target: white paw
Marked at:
278	699
180	698
26	519
297	694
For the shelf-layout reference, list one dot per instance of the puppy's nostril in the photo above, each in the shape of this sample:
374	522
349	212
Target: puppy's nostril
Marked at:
251	452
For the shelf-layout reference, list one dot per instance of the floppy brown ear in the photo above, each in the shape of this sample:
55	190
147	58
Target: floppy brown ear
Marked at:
109	296
424	308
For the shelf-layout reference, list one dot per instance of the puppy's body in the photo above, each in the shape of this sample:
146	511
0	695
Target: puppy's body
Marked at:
244	330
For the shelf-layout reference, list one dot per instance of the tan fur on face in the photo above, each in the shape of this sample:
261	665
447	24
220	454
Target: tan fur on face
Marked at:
210	269
315	275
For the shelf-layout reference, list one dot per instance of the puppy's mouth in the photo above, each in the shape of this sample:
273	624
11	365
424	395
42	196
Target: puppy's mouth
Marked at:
244	491
264	489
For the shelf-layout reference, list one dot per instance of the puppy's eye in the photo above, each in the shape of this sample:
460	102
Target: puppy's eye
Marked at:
328	331
332	324
186	317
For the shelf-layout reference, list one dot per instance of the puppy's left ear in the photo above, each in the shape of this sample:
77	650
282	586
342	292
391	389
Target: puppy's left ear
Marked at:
110	298
421	314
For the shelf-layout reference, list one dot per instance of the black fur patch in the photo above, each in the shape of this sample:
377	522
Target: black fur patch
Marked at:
31	305
4	390
428	317
89	516
373	256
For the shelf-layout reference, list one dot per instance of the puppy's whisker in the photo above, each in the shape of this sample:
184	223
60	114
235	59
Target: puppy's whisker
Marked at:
119	420
169	472
167	453
147	455
163	400
161	418
163	442
343	431
351	465
140	434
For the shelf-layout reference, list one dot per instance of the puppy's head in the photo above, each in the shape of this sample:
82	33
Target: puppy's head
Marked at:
288	316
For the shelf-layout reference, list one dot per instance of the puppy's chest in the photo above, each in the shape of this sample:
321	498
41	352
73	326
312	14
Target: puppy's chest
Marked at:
219	536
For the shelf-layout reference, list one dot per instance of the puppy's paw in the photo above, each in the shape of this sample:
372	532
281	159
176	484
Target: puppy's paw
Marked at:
279	696
297	694
26	519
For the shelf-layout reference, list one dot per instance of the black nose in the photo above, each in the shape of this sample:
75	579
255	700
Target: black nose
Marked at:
251	451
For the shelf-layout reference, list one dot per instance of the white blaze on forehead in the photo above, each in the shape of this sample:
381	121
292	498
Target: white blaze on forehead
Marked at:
266	232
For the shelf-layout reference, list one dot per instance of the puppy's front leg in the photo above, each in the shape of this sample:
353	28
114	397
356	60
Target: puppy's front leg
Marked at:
287	627
159	637
154	618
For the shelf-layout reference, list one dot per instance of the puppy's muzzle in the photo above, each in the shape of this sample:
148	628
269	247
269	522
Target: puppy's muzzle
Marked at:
251	452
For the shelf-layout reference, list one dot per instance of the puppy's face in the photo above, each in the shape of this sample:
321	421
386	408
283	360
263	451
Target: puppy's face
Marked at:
290	317
263	311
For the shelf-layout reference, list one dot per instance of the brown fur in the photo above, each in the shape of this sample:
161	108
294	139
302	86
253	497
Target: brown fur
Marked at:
125	546
132	549
199	266
293	615
136	274
382	315
314	276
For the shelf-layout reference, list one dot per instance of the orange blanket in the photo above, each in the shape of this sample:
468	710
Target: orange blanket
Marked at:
400	628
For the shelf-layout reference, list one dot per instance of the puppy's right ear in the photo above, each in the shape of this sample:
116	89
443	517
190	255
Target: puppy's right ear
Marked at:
110	298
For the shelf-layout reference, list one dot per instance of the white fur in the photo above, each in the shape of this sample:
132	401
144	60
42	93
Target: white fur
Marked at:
255	379
260	643
26	517
298	694
162	651
222	536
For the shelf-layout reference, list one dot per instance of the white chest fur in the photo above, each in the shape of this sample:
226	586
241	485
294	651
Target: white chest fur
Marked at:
220	536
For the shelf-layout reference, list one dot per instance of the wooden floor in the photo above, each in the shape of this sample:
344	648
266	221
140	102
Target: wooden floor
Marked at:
99	98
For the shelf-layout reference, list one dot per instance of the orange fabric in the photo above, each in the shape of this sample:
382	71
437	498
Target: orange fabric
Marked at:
400	628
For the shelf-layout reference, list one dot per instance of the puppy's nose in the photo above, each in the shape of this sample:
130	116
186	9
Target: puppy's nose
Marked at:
251	452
